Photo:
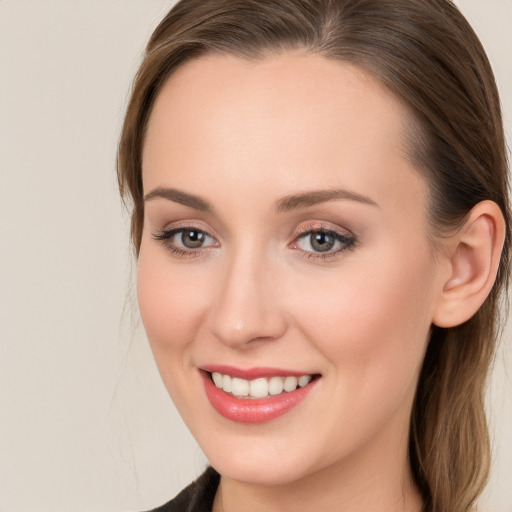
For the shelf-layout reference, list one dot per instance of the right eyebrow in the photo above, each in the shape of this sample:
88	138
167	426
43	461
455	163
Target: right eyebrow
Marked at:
177	196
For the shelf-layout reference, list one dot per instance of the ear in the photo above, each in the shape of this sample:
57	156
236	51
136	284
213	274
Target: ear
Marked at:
473	255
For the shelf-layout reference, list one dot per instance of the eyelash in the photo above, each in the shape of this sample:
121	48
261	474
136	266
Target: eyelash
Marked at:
348	241
166	236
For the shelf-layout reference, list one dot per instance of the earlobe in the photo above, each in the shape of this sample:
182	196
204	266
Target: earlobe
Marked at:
474	255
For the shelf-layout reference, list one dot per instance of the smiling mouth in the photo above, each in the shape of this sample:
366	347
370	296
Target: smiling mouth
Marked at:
264	396
262	387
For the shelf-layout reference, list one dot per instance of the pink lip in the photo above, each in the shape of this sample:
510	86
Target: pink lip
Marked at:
245	410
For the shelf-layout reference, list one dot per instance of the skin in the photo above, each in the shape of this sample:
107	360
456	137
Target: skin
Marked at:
242	136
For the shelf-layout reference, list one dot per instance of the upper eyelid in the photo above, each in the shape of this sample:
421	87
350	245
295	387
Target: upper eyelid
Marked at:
322	226
195	224
174	230
337	234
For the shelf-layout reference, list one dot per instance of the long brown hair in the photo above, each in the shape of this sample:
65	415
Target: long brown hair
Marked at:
427	55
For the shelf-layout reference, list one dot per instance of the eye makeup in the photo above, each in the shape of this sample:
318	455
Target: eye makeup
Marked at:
321	241
185	241
313	241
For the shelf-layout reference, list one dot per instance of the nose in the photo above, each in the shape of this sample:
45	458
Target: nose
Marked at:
247	308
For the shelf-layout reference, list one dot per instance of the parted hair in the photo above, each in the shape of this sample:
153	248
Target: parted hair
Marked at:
427	55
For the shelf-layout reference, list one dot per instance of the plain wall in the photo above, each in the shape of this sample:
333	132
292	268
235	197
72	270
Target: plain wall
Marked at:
85	423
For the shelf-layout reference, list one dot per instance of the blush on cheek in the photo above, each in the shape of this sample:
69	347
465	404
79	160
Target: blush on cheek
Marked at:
158	307
368	320
167	307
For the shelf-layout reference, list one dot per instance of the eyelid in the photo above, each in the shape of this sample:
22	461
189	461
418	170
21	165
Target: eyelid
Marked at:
321	226
166	237
190	224
342	235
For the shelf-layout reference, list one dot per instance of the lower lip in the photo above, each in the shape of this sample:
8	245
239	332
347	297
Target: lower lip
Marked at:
247	410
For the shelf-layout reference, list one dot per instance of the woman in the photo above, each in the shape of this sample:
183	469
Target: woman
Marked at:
321	221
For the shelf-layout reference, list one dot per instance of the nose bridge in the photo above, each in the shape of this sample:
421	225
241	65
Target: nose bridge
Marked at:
247	307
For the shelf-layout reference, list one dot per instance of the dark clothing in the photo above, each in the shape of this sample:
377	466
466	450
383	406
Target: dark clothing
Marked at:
197	497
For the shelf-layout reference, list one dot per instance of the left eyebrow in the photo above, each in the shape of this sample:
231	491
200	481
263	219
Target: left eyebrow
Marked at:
307	199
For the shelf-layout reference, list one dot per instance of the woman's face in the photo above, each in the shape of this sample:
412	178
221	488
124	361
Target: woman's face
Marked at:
285	235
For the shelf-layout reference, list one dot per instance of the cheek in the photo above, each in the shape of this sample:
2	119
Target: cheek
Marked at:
171	301
371	325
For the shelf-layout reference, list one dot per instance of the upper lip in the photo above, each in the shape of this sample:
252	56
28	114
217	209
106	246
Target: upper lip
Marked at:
252	373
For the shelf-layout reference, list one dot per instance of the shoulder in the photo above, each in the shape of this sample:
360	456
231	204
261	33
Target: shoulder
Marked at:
197	497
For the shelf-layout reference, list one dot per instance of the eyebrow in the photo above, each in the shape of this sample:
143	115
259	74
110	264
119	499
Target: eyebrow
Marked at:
172	194
307	199
285	204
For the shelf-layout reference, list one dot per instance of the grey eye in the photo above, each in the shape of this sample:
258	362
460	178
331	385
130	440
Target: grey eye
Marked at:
321	242
192	238
185	240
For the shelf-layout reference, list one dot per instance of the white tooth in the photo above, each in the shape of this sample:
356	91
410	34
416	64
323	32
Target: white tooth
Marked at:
290	384
239	387
258	388
217	379
304	380
275	385
226	383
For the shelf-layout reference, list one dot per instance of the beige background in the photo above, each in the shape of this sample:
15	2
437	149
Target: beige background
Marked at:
85	424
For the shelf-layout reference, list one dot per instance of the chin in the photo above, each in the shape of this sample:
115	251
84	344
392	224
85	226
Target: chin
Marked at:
263	470
262	459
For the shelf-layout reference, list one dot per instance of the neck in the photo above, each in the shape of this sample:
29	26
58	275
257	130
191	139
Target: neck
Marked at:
319	493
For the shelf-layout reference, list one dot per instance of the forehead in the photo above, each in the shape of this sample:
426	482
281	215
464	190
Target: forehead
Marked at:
295	118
